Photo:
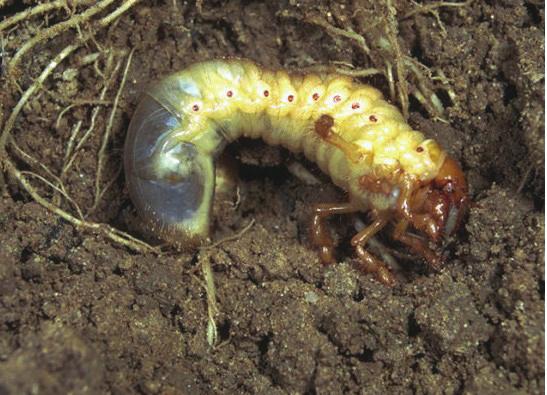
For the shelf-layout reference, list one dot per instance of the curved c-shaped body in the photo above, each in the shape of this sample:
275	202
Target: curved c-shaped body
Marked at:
346	128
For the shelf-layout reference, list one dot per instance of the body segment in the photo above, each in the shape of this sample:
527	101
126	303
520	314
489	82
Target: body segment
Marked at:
356	137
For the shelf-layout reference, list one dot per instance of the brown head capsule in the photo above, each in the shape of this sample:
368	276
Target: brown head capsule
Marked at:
445	200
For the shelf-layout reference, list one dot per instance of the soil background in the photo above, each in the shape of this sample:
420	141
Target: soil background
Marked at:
80	313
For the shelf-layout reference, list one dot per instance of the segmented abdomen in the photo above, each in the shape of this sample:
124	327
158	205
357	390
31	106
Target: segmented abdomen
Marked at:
239	98
215	102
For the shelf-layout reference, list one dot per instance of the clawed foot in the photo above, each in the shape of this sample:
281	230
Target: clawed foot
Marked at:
322	239
368	263
372	265
417	246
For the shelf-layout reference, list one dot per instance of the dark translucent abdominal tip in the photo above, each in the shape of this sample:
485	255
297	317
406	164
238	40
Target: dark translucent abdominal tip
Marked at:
170	182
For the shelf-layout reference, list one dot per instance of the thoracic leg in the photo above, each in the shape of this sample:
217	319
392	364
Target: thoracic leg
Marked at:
369	263
423	222
416	244
319	233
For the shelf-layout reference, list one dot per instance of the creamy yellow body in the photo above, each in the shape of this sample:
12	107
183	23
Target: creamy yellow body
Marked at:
221	100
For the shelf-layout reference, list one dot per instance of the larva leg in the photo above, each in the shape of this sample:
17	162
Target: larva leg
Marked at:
364	235
416	244
369	263
376	247
319	233
324	128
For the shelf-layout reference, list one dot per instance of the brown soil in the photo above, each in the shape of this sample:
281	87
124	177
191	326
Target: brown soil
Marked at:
80	313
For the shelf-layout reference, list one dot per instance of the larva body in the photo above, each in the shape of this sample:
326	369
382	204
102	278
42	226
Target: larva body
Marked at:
356	137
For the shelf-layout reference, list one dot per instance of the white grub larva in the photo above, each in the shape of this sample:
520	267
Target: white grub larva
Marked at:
356	137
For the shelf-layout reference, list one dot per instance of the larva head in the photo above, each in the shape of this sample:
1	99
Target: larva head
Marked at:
438	207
